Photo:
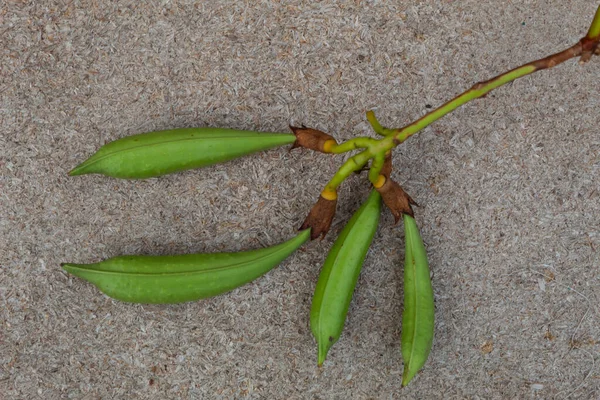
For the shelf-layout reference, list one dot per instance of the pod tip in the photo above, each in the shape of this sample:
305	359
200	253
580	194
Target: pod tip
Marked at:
75	171
321	358
70	268
407	376
66	267
323	350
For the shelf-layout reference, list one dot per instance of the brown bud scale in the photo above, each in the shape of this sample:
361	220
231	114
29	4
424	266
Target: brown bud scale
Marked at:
312	139
319	218
396	199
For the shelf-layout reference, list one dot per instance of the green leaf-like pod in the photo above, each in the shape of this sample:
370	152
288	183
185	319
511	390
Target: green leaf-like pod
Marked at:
158	153
181	278
418	316
339	274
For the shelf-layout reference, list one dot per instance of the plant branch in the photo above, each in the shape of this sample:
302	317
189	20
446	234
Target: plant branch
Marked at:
376	167
481	89
380	130
353	144
393	137
354	163
398	201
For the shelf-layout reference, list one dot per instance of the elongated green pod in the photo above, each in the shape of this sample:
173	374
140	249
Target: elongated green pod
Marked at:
418	316
181	278
339	274
158	153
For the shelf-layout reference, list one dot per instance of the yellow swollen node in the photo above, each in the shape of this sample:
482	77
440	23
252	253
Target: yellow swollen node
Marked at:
329	145
329	194
379	182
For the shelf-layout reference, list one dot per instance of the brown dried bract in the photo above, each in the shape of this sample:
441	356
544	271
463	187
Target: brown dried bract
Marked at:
312	139
396	199
386	170
319	218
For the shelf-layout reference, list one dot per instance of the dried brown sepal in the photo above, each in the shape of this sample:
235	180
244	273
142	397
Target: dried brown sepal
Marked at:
319	218
396	199
387	166
312	139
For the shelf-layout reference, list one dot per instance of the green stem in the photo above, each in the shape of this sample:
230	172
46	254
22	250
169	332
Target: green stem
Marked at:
594	31
482	88
476	92
353	144
380	130
354	163
376	167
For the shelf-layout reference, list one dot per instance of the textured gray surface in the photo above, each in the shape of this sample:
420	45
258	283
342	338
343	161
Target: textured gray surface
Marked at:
509	188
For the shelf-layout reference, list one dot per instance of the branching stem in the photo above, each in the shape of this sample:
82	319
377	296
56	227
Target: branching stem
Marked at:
353	144
354	163
375	149
376	167
380	130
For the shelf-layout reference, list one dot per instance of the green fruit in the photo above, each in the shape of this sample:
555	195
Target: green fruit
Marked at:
339	274
158	153
181	278
418	316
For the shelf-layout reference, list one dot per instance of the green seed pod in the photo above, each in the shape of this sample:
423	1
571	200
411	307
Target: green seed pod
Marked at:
418	316
339	274
181	278
158	153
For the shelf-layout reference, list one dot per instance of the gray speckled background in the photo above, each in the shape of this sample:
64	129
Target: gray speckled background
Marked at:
509	188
